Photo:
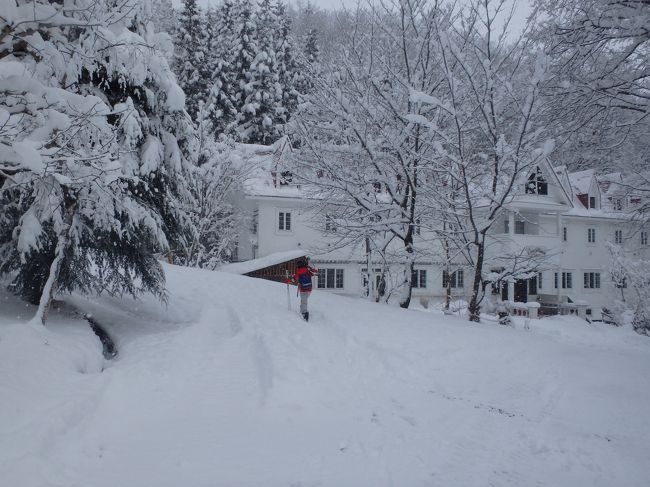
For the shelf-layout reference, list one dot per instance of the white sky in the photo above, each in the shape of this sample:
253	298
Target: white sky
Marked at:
523	7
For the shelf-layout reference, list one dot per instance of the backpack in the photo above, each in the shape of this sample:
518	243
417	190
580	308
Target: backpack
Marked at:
304	281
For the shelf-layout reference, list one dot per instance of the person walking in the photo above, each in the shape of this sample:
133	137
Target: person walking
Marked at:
302	278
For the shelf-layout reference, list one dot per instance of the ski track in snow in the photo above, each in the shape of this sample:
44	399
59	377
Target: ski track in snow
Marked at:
225	387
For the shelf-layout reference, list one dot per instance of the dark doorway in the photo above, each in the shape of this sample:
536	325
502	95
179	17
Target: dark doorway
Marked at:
521	290
504	290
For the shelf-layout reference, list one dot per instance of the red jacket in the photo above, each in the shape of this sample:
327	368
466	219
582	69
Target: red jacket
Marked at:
312	271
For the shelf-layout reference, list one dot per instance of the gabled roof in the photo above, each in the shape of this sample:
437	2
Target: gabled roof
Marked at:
581	181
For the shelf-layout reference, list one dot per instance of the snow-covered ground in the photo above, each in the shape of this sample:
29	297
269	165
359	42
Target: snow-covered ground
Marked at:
226	387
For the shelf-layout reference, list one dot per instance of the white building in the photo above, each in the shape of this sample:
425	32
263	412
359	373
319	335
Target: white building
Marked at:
566	221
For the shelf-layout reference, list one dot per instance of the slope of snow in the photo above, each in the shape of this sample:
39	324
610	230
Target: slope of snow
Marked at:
227	387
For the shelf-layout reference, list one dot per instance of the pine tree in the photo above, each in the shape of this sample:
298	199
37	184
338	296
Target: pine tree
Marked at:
222	109
288	71
94	173
190	61
261	126
245	52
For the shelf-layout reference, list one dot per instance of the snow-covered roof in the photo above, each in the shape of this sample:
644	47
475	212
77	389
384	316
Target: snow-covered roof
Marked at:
266	164
581	180
262	262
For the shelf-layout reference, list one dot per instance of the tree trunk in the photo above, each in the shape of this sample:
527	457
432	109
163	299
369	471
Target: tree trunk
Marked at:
405	301
474	308
47	295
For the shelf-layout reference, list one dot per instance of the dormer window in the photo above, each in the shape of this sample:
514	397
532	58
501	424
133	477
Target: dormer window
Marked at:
592	202
537	183
286	177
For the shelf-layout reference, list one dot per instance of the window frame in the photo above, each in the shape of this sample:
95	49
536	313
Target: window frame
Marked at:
331	278
453	279
591	235
567	280
281	222
419	279
591	280
618	237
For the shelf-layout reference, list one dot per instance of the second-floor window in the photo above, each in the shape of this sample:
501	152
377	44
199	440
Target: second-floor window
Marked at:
455	279
520	227
592	280
564	234
592	202
537	183
644	238
330	225
591	235
419	278
618	236
284	221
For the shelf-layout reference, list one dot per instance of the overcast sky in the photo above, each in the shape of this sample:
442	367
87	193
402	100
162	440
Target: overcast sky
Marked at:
521	12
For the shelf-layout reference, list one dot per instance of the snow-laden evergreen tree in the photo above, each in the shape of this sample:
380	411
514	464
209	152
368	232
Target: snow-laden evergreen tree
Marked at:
190	65
94	146
287	67
311	46
222	103
244	54
254	80
161	14
258	121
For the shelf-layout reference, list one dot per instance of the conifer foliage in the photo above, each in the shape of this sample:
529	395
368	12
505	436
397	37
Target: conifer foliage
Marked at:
191	59
244	71
95	150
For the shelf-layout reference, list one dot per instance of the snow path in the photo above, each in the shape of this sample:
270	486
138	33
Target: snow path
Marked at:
225	387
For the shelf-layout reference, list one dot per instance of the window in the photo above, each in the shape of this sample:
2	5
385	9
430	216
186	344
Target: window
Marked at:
520	227
284	221
255	222
592	202
564	234
417	229
330	278
591	235
618	236
286	177
330	225
419	278
567	280
456	279
592	280
539	280
532	285
537	184
506	226
644	238
617	204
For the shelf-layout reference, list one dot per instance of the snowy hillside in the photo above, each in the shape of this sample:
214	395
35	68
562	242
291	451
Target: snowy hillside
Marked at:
226	387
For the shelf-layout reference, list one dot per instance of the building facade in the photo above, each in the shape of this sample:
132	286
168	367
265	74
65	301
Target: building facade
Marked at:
563	225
